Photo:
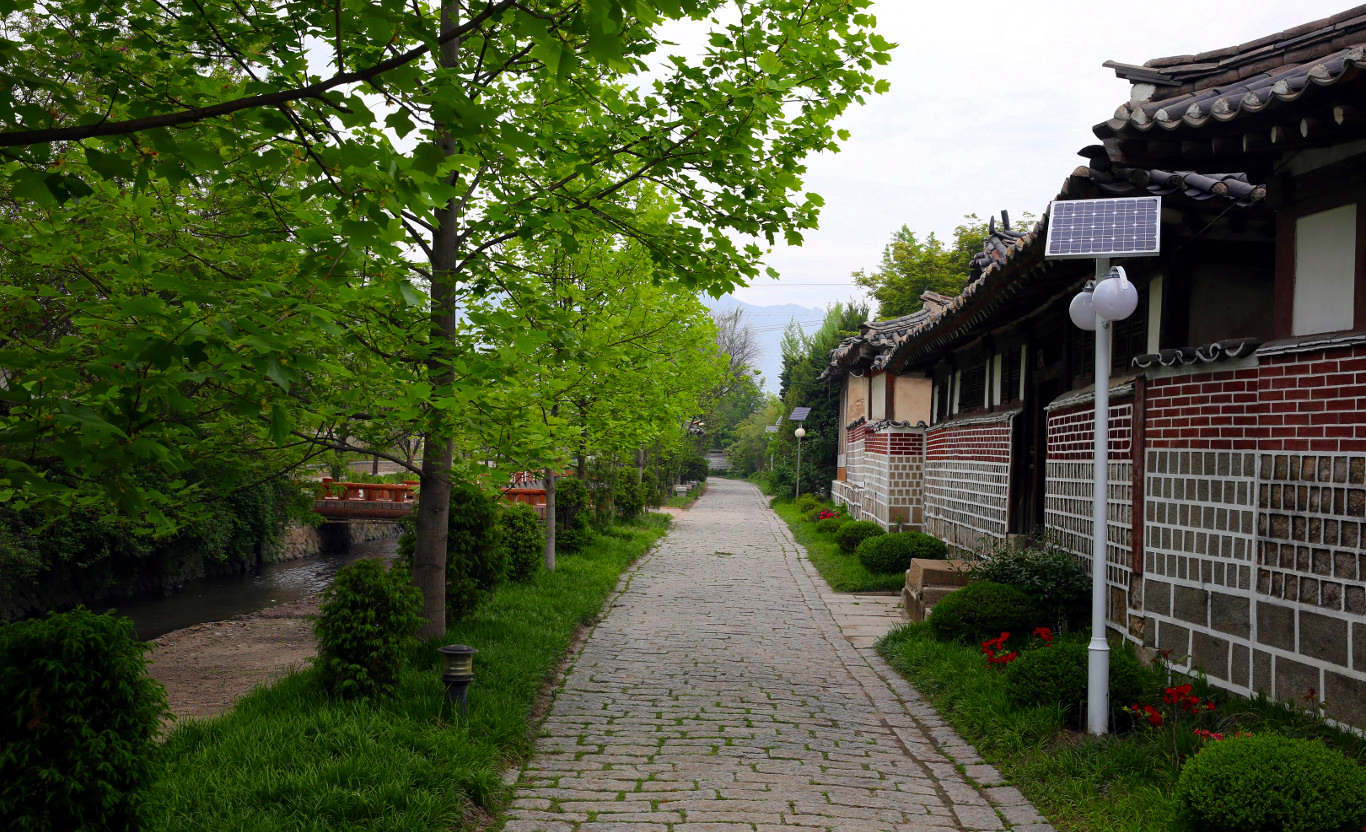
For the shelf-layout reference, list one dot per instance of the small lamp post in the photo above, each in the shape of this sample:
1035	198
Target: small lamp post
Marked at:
799	433
1110	297
457	671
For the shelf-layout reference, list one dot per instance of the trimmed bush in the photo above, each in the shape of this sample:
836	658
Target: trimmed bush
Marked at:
814	515
1056	675
629	498
1270	783
851	534
524	542
650	490
475	562
1051	575
983	609
806	503
79	726
830	525
891	553
572	512
366	620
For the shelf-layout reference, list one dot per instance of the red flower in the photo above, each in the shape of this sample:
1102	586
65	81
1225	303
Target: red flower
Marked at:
1153	715
1045	634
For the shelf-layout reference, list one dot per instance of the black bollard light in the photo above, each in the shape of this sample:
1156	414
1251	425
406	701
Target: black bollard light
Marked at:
457	671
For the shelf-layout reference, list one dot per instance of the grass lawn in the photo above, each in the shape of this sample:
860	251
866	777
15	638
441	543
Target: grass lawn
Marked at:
843	572
288	757
1100	784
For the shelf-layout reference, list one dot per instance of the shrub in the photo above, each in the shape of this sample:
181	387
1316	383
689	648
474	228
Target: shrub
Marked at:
650	490
572	512
814	515
694	468
1051	575
851	534
830	525
524	542
475	562
629	500
1268	782
366	620
891	553
807	503
80	723
1057	675
983	609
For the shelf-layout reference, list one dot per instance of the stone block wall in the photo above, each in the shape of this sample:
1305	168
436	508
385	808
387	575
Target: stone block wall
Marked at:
1256	524
1068	512
884	475
967	479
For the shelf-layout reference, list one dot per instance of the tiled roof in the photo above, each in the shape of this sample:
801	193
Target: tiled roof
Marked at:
1008	255
1223	84
871	348
1218	351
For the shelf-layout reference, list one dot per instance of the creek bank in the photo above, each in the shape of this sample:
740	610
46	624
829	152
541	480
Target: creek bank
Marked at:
119	579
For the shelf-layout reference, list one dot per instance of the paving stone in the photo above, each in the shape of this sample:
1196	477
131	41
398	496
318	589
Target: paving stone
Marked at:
739	693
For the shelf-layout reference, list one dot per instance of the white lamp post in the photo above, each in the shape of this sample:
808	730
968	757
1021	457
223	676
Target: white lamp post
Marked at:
1111	297
799	433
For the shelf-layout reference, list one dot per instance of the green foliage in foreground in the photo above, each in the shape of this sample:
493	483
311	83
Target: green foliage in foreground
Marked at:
1099	784
79	725
367	619
291	758
1102	785
841	572
1269	783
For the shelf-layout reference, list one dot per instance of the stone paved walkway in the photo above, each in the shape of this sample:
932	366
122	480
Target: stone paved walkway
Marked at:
719	695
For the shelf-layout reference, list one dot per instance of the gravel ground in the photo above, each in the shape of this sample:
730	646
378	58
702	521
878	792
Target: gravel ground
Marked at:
207	667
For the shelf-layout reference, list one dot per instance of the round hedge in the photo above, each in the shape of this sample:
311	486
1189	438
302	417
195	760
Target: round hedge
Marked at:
806	502
830	525
1057	675
892	553
982	610
851	534
1270	783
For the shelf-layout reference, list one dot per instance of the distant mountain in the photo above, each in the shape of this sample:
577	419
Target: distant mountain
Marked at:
768	323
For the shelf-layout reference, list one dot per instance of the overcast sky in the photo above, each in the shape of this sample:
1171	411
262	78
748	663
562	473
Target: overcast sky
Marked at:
990	102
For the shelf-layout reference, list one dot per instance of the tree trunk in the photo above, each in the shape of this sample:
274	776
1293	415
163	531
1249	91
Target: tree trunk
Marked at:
550	519
434	507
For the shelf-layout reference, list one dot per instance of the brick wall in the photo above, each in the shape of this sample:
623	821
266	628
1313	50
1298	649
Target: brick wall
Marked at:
1255	525
884	479
1071	484
967	479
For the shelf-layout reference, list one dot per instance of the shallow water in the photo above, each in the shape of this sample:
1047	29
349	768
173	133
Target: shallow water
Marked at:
216	599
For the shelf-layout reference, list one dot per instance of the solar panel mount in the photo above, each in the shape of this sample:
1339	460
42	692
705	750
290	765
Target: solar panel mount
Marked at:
1094	228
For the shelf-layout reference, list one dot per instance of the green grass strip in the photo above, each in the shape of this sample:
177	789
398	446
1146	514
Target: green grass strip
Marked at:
842	571
288	757
1101	784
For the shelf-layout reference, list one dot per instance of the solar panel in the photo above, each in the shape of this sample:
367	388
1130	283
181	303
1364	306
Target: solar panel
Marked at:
799	414
1091	228
770	429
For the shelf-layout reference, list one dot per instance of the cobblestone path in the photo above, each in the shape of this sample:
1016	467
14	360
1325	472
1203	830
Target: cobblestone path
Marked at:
719	695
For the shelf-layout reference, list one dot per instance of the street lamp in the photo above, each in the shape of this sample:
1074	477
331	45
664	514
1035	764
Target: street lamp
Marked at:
799	433
1110	297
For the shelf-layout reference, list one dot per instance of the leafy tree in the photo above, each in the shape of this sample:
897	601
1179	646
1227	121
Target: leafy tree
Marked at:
911	266
804	358
749	451
527	120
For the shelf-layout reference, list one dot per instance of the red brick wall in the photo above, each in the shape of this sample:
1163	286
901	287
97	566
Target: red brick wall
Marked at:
895	444
976	443
1314	402
1071	433
1211	411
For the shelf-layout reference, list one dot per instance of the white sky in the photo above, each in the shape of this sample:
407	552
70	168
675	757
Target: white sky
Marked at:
990	101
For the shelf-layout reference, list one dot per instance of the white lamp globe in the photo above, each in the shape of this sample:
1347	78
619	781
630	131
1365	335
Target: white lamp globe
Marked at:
799	432
1115	298
1082	312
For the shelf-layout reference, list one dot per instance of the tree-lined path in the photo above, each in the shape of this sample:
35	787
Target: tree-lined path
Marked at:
718	693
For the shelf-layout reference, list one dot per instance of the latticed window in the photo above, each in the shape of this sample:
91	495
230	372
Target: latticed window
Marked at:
942	388
1010	376
973	393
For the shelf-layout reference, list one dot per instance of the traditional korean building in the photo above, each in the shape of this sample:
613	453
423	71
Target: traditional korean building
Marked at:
1238	388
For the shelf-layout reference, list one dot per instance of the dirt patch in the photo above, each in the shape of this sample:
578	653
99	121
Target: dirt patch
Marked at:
207	667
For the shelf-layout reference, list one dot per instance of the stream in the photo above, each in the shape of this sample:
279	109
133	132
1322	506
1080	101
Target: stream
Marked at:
220	598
